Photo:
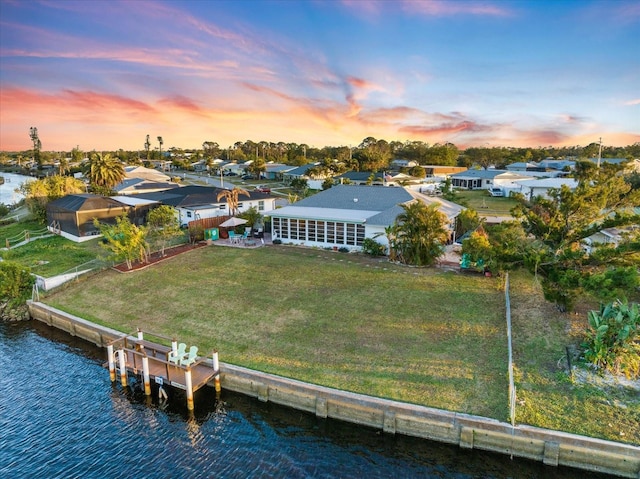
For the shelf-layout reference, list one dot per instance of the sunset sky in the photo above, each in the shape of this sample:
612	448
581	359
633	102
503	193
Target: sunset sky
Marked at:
103	74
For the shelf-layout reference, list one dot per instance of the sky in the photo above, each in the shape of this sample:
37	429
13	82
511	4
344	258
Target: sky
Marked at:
101	75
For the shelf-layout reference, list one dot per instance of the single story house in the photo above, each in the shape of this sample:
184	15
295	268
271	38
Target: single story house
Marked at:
522	166
557	165
134	186
540	187
485	179
299	172
344	215
402	163
72	216
275	171
384	178
199	202
139	179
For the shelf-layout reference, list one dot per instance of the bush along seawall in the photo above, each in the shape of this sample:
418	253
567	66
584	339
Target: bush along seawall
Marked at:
393	417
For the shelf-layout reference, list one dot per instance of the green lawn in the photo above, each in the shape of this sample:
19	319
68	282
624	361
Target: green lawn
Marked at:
54	255
485	204
323	317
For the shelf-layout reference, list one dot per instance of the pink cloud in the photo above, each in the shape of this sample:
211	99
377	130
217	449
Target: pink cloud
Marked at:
183	103
444	129
441	8
432	8
71	105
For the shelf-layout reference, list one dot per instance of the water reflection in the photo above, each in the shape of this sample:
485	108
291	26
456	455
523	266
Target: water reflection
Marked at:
60	410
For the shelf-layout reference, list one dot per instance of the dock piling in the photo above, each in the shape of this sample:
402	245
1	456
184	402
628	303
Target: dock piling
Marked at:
145	375
112	363
123	367
189	385
216	368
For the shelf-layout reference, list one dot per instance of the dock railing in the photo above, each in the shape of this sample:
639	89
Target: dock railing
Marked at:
135	354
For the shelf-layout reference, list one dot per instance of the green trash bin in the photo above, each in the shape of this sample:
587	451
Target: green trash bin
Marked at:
211	234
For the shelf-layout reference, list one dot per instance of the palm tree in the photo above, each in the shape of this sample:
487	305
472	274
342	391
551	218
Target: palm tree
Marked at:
232	198
104	172
420	234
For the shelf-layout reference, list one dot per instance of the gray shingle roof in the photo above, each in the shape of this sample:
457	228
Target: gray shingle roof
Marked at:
80	202
358	197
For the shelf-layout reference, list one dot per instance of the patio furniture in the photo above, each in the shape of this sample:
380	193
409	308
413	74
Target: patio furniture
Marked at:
232	237
177	356
191	358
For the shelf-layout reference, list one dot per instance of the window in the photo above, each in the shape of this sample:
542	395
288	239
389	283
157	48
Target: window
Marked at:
261	205
359	234
293	229
320	232
188	214
351	234
311	230
331	232
339	233
302	229
222	207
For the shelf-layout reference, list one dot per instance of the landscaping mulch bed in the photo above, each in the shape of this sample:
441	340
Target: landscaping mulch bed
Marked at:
155	257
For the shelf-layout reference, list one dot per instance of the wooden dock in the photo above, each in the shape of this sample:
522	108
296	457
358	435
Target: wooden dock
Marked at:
135	355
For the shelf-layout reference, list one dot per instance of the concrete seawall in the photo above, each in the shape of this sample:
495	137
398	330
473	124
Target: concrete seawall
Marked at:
472	432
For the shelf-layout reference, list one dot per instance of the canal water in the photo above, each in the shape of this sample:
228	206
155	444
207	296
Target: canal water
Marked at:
61	417
8	195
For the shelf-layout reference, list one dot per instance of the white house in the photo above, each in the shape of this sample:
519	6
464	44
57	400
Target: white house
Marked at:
485	179
199	202
541	187
344	215
139	179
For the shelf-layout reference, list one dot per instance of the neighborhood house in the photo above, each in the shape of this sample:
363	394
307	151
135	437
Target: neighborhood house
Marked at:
344	215
72	216
199	202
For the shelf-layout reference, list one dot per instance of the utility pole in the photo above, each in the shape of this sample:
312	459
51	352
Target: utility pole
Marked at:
600	153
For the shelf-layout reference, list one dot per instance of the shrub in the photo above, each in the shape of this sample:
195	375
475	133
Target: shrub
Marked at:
4	209
610	338
16	283
277	241
343	249
373	248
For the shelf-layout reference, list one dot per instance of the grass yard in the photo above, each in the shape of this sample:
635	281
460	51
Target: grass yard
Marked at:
421	336
485	204
52	256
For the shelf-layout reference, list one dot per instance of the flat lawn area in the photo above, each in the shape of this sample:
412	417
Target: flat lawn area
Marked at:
54	255
421	336
485	204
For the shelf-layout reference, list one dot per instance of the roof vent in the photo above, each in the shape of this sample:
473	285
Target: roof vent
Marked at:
355	200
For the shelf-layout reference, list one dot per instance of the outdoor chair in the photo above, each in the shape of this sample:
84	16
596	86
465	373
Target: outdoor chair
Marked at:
191	358
232	237
177	356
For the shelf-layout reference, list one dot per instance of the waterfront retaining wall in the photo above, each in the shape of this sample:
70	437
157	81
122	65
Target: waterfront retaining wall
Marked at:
471	432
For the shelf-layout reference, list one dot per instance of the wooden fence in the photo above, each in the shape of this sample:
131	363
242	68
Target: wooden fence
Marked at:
197	227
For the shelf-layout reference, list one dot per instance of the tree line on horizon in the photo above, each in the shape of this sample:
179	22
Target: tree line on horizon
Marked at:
370	155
